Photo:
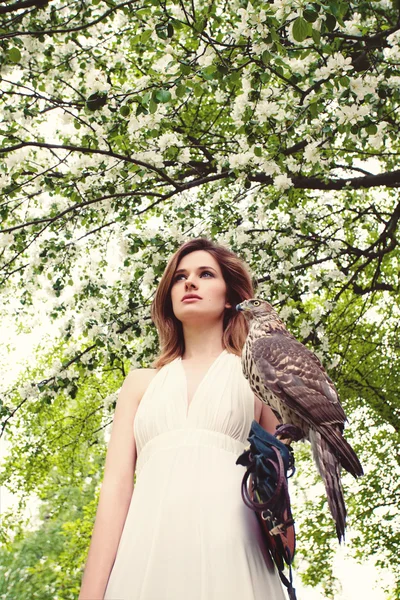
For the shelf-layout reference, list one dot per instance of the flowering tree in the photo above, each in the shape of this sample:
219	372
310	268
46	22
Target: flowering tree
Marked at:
269	126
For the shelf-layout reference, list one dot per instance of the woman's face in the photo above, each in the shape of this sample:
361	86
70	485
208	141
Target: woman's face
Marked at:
198	289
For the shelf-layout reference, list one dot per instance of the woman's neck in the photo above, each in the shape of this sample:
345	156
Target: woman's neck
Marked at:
202	341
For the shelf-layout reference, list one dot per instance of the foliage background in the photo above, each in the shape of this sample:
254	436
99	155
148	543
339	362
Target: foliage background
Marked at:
128	127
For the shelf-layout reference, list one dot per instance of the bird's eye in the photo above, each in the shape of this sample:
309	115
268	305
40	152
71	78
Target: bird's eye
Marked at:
256	303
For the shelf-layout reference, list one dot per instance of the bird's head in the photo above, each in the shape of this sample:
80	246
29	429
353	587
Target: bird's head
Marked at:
258	309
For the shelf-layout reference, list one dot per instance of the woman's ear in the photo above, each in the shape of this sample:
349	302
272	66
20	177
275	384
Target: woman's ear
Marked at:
227	305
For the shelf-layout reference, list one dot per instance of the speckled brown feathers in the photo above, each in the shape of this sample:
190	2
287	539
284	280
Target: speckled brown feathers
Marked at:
288	377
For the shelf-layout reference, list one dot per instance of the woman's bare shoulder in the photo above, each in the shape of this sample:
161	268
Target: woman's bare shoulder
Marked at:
137	380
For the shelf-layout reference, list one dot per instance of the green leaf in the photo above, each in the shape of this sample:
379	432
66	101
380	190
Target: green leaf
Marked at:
266	57
152	106
180	91
96	101
313	108
124	110
14	55
330	22
274	35
141	110
335	8
310	15
185	69
146	35
371	129
161	31
199	26
135	41
163	96
208	72
301	29
235	78
316	36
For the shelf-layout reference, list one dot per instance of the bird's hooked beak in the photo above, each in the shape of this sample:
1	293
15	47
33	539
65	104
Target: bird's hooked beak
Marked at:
242	306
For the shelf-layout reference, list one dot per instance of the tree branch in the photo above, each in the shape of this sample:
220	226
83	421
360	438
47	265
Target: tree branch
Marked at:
389	179
68	30
23	4
85	150
77	206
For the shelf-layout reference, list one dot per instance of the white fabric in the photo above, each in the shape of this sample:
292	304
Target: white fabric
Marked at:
188	534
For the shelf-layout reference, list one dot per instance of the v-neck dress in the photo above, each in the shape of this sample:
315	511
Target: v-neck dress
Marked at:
188	535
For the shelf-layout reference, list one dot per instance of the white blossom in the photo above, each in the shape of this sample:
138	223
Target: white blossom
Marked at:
184	155
265	110
336	63
352	114
269	167
239	106
305	329
361	87
311	152
96	81
148	277
240	159
242	28
164	63
207	56
353	26
286	311
27	390
282	182
241	235
152	157
167	140
334	362
282	8
6	239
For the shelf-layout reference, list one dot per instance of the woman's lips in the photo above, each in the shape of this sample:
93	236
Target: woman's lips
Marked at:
190	300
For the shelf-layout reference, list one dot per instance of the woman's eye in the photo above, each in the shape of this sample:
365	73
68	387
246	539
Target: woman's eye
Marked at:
182	276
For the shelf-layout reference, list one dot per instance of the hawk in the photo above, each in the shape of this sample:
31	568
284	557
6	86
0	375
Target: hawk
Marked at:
291	380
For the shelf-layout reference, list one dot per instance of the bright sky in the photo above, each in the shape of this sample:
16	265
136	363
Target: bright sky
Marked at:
358	581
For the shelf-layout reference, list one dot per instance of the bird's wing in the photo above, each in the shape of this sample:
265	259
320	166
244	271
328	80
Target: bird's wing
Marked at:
296	376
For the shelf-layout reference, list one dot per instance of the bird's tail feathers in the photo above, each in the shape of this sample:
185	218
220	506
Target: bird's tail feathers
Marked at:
329	469
345	453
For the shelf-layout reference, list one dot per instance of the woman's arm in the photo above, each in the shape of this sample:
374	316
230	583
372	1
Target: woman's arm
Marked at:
116	489
264	415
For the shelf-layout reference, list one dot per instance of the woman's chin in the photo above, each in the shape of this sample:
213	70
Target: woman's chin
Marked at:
194	313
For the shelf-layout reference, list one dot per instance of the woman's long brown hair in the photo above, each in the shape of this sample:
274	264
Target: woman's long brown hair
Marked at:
239	288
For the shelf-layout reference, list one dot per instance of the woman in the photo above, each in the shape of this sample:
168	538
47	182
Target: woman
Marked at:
185	534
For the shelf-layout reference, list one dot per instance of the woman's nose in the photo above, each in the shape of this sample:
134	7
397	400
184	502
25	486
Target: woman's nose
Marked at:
189	284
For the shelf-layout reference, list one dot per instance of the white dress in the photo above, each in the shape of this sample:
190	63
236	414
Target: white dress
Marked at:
188	535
